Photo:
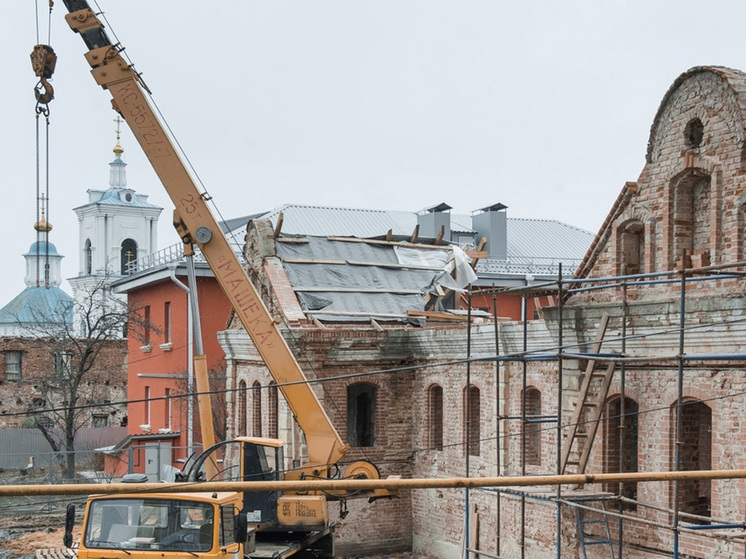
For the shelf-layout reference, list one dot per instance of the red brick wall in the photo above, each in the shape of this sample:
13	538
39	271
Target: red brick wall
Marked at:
162	367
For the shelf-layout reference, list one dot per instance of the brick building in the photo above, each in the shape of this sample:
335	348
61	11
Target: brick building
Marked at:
661	359
164	428
672	396
355	309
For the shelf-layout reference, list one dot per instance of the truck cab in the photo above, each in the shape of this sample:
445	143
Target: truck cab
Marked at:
154	525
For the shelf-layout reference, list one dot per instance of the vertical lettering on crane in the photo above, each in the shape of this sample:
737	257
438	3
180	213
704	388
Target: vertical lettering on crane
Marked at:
137	113
245	302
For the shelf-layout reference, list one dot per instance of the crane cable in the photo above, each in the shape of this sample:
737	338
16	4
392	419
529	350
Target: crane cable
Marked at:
43	61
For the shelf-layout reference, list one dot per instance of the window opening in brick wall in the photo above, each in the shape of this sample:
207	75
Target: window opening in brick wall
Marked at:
691	218
361	402
168	410
167	322
243	404
273	419
472	423
694	133
435	416
628	436
695	454
100	420
146	325
256	409
13	365
531	427
128	254
631	248
147	405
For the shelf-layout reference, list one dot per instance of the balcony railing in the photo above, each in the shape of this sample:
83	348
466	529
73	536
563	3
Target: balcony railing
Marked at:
173	253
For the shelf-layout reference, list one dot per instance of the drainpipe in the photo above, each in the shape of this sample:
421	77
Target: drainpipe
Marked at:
190	351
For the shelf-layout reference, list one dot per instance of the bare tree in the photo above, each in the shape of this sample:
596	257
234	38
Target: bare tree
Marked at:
85	340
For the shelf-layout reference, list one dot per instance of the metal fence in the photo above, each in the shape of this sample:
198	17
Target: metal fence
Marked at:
26	455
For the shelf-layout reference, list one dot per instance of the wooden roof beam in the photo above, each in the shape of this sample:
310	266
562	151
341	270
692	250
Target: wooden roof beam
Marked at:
278	226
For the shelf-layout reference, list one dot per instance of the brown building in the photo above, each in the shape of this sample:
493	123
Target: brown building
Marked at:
647	375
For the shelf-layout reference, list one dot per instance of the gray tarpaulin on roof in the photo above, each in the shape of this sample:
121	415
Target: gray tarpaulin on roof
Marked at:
355	281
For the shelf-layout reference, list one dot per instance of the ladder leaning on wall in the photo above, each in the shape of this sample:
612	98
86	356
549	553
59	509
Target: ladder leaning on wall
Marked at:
594	388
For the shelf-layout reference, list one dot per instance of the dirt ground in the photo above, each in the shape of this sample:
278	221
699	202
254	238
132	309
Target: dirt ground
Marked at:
21	536
29	542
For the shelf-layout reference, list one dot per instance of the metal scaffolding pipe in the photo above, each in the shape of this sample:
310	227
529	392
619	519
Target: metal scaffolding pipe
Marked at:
498	441
363	484
560	388
551	285
655	282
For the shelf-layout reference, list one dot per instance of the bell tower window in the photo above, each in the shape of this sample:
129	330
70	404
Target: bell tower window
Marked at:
129	255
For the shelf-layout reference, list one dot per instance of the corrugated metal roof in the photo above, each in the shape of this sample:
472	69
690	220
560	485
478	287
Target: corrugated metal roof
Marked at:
535	246
344	222
546	238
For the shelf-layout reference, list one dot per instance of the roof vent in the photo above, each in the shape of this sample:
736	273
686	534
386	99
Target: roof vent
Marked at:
435	219
491	222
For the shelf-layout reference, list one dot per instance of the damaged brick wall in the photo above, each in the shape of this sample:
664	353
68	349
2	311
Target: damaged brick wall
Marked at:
106	382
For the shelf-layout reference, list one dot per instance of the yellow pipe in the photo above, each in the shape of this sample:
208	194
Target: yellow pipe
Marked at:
340	486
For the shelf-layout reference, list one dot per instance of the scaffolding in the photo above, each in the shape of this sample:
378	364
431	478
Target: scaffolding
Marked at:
615	509
614	506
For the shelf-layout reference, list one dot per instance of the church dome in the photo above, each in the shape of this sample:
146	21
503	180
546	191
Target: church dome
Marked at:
41	248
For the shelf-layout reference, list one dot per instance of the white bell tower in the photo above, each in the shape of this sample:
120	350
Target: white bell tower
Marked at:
117	228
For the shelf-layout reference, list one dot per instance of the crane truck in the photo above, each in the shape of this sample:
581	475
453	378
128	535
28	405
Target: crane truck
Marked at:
252	524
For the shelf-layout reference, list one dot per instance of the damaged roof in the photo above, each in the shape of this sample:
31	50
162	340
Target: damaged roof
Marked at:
534	246
348	280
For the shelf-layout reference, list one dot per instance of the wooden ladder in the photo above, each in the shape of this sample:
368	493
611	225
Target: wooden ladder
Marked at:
587	414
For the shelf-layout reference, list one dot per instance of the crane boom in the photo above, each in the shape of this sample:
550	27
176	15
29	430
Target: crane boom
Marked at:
196	225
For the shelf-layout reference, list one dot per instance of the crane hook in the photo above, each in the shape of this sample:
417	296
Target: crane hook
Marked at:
43	61
44	92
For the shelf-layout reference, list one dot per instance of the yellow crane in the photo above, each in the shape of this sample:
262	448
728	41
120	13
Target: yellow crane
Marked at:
148	524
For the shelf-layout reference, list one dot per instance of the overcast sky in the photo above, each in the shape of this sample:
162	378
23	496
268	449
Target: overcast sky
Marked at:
393	104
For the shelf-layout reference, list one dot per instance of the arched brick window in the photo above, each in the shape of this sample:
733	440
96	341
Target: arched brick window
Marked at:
242	408
472	421
631	252
361	414
532	427
691	216
256	409
273	413
695	496
621	437
435	416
